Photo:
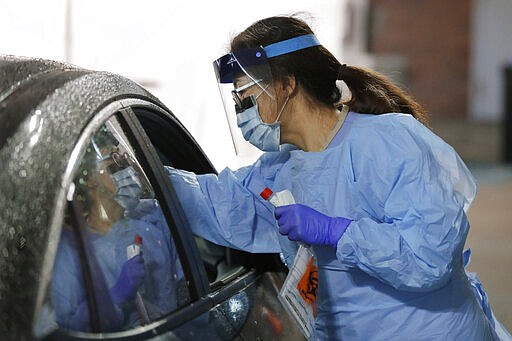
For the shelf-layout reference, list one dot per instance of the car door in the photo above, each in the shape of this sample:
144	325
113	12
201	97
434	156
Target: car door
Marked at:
77	140
91	290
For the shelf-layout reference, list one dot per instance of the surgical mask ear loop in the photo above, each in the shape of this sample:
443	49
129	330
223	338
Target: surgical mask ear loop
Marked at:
263	90
282	108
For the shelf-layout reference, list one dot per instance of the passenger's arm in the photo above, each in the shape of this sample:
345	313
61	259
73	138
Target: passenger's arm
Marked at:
68	294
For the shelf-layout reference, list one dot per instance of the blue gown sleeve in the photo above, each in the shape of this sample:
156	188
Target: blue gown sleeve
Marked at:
68	292
226	209
68	295
417	190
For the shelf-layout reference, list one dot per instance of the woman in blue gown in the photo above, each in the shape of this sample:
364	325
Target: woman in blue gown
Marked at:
380	198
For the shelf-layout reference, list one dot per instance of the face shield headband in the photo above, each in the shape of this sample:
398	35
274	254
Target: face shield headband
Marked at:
241	62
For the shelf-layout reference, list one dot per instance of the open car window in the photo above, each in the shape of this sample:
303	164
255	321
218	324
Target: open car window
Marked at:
177	149
117	266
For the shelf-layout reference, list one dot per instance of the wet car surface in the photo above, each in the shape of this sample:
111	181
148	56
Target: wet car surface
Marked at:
51	114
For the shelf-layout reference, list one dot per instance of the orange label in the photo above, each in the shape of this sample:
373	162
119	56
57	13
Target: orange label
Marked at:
308	284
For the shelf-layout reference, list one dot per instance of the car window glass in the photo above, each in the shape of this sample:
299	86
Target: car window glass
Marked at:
115	244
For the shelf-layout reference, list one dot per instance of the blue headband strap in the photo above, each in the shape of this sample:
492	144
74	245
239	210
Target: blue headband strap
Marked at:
290	45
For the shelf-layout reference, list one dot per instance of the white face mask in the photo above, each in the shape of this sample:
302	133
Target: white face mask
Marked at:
262	135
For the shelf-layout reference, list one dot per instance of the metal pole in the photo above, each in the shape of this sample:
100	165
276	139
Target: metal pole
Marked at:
507	118
68	32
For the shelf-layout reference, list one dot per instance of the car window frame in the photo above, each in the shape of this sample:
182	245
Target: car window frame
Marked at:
168	199
189	256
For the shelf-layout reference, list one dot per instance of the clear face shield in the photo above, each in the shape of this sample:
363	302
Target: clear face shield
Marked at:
111	182
245	76
242	75
118	157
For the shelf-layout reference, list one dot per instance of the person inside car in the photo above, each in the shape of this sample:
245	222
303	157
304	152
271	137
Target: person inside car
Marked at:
131	288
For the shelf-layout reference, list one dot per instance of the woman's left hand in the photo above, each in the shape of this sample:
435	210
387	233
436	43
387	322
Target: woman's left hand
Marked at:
304	224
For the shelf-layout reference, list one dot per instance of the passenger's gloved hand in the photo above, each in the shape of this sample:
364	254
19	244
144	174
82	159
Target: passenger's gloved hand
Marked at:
129	280
304	224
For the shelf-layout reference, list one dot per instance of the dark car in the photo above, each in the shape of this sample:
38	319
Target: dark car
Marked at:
65	136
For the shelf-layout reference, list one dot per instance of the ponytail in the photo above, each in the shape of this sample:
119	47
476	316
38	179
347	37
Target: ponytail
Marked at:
372	93
316	70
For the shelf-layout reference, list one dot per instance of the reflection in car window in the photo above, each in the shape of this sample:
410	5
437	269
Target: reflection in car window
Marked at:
117	226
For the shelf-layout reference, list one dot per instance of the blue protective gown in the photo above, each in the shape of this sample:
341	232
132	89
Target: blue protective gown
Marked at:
397	272
158	291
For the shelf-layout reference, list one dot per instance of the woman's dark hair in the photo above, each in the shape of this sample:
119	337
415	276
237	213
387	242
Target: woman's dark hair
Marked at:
317	71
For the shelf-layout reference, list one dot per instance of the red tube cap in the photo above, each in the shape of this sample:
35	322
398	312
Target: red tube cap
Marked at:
266	193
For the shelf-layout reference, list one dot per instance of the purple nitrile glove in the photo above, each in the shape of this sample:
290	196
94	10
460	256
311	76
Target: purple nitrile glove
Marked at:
129	280
304	224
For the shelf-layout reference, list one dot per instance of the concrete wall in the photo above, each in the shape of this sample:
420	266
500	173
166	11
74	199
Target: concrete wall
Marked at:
473	141
426	43
491	51
451	56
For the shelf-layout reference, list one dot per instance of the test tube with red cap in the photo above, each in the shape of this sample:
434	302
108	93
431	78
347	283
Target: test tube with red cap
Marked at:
281	198
135	248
